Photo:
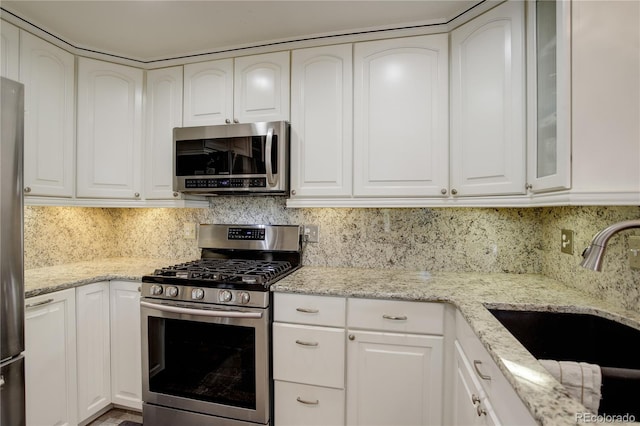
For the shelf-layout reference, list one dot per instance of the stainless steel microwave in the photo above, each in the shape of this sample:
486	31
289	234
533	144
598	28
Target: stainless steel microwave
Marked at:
246	158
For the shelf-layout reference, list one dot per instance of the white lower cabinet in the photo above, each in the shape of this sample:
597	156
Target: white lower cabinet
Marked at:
93	348
50	367
126	367
394	377
483	396
308	360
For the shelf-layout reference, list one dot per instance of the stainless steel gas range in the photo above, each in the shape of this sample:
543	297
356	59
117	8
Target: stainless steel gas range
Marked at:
206	328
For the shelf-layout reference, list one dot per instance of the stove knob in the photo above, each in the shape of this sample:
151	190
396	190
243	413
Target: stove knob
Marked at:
172	291
155	290
244	298
225	296
197	294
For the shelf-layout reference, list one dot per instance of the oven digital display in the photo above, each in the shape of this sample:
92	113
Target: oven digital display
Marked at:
255	234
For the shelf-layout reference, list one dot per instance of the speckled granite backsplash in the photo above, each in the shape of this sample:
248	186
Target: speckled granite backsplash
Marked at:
445	239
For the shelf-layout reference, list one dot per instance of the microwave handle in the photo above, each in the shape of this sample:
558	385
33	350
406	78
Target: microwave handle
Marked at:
271	180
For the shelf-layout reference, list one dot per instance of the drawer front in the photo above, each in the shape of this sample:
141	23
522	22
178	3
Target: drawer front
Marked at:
306	309
308	354
304	405
397	316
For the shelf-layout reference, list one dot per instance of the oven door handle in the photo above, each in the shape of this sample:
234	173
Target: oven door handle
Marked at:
269	166
201	312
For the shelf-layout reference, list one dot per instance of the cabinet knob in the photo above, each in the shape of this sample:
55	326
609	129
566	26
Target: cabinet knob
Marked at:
227	121
27	189
137	195
528	187
293	192
443	191
352	337
454	191
175	194
235	120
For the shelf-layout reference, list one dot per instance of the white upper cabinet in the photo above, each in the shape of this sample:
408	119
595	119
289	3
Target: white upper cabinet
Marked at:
321	121
48	74
109	130
163	111
247	89
488	115
401	117
261	87
208	93
549	95
9	51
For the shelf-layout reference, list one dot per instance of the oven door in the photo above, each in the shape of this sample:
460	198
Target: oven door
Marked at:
207	360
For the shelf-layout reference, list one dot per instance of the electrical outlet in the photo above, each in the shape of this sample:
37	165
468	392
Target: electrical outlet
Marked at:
189	231
634	252
566	243
312	233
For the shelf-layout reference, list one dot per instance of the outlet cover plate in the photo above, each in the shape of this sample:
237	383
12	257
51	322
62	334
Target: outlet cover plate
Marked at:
634	251
312	233
566	241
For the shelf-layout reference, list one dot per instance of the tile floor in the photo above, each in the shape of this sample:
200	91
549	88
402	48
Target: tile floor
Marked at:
116	416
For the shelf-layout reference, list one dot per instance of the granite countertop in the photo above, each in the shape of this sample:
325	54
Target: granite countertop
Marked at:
472	293
54	278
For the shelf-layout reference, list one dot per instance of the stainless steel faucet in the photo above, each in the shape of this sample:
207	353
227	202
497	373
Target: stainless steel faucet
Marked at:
594	254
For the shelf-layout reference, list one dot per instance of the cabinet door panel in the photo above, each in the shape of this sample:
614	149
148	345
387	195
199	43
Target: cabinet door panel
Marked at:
394	379
261	87
163	113
50	351
321	121
401	117
94	360
126	368
488	138
9	51
48	73
304	405
109	130
208	93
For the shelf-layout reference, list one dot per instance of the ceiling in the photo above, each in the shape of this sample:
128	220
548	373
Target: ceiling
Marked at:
148	30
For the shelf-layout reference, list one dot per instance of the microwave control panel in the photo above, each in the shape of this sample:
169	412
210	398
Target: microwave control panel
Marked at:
230	183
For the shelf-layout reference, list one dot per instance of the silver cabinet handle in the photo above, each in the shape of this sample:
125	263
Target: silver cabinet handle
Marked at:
443	191
227	121
395	317
307	310
33	305
137	195
1	381
483	376
352	337
303	343
477	403
475	399
302	401
454	191
27	189
235	120
176	194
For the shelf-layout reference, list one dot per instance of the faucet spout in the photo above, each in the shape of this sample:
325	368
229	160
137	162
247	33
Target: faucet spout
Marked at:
594	254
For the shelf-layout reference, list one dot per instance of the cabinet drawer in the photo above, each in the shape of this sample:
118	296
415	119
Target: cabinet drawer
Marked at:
398	316
304	405
307	354
312	310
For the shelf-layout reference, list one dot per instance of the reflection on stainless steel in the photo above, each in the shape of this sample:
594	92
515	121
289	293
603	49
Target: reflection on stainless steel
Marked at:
12	409
594	254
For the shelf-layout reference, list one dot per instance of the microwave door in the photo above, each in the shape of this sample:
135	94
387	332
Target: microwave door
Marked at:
272	179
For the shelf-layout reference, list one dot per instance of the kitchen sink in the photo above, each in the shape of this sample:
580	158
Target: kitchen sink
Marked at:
588	338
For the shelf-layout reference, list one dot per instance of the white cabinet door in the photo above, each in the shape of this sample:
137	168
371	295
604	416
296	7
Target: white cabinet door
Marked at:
261	87
304	405
163	111
109	130
549	95
321	121
208	93
126	368
488	133
9	51
394	379
48	74
401	117
93	348
50	350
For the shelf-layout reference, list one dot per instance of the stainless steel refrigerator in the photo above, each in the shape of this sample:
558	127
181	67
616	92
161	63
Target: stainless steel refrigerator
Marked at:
12	409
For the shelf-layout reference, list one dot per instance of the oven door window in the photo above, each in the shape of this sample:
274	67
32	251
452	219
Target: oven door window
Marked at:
225	156
203	361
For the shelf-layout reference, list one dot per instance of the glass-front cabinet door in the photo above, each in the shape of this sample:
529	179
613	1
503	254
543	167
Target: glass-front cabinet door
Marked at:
549	95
